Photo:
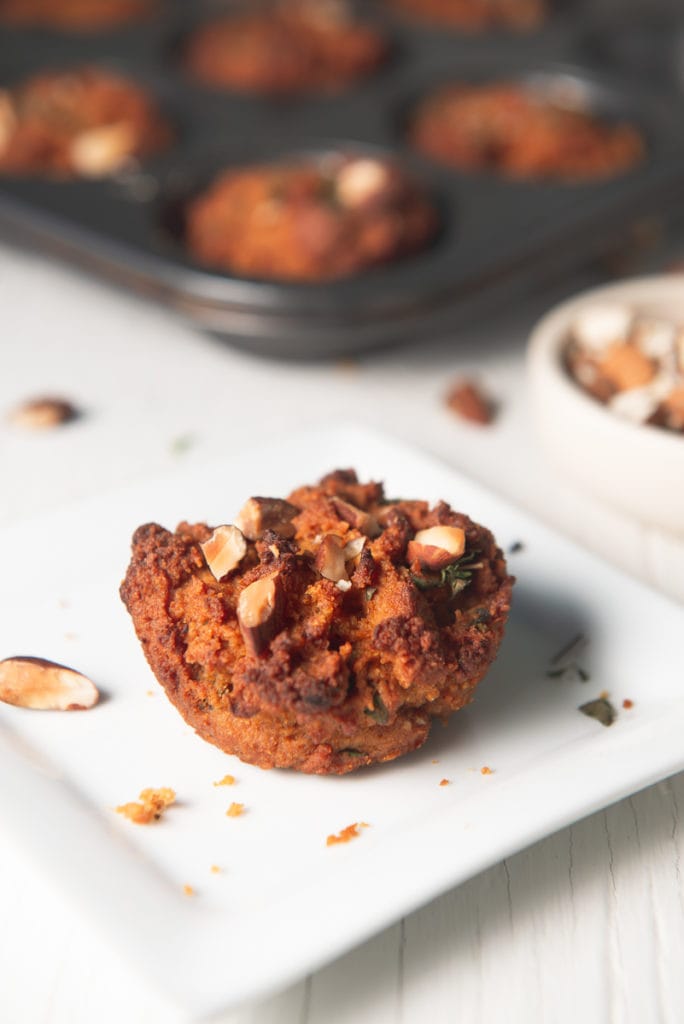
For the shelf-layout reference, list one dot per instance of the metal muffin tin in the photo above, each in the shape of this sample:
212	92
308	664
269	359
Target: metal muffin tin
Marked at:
497	236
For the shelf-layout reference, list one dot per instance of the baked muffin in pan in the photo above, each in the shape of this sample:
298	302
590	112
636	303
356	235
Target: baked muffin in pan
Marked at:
75	15
85	122
288	46
476	15
324	632
310	218
509	128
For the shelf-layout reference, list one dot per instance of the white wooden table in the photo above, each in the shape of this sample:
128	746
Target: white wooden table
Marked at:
587	925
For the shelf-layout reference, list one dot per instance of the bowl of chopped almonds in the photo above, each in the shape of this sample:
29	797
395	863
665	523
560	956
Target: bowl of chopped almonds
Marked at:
606	374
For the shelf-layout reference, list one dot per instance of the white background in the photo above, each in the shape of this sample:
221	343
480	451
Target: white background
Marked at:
585	926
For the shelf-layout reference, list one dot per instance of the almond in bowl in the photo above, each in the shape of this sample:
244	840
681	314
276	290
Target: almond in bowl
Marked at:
606	373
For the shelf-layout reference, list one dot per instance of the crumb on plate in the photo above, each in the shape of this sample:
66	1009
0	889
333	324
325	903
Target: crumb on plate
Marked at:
227	780
346	834
445	782
152	804
469	402
235	810
486	770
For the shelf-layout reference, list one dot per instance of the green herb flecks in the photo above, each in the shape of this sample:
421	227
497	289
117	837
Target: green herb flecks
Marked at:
369	593
180	445
351	751
379	712
601	709
565	665
456	576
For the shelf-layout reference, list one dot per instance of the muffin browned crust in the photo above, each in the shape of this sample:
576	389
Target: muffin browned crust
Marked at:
512	130
287	47
476	15
74	15
84	122
368	634
310	219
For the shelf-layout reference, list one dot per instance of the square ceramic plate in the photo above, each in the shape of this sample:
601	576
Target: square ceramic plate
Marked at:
284	902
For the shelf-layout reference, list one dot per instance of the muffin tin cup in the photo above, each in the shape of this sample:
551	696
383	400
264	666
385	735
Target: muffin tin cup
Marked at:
497	235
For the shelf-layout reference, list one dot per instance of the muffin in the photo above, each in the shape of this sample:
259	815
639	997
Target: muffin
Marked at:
288	47
309	219
79	123
74	15
476	15
324	632
513	131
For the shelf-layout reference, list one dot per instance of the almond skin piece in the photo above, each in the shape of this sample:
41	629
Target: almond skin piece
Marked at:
224	550
331	558
45	686
436	547
356	517
257	613
468	402
260	514
43	413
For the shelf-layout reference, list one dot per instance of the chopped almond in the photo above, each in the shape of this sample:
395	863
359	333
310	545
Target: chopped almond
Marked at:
330	559
356	517
467	401
626	366
260	514
224	550
436	547
43	413
153	803
45	686
257	613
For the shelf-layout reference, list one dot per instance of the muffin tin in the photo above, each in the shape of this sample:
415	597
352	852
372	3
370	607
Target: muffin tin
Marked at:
497	236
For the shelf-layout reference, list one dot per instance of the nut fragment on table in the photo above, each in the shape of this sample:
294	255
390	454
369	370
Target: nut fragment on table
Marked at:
45	685
470	403
152	804
43	413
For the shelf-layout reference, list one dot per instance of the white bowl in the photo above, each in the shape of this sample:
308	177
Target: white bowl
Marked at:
639	469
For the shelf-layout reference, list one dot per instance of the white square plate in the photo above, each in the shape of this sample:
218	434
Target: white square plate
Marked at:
284	902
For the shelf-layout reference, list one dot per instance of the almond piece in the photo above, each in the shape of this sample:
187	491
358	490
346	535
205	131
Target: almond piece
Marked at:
626	366
100	151
468	402
353	548
45	685
360	181
43	413
224	550
596	328
257	613
260	514
357	517
330	559
436	547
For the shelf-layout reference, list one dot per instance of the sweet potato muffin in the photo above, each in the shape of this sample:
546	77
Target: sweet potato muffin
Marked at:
324	632
79	123
476	15
286	47
74	15
310	219
510	129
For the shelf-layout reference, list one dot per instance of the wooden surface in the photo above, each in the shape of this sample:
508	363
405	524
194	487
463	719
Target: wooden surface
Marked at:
587	925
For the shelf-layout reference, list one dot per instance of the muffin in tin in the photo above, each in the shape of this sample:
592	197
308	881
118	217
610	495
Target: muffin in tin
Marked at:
84	122
476	15
75	15
290	46
324	632
512	130
309	218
